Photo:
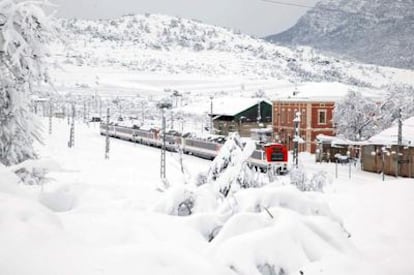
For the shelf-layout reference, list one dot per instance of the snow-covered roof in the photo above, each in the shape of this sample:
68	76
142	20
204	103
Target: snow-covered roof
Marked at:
390	135
332	139
324	92
230	106
338	140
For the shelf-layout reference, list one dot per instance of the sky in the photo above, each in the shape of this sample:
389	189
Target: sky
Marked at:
254	17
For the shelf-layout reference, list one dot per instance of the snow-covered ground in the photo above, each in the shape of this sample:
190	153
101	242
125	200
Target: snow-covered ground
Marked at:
97	216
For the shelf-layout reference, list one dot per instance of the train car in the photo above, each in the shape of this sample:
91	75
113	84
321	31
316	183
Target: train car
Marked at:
269	156
201	148
147	137
111	129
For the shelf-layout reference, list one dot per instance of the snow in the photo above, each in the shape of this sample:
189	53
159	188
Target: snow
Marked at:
227	106
390	136
98	216
325	91
153	53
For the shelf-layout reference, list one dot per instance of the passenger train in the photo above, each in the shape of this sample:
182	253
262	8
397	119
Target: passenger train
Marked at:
265	157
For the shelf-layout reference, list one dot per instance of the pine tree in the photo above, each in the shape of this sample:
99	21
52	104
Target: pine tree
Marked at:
25	31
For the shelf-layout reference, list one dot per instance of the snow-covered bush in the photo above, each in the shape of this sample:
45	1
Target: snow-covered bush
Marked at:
185	200
255	243
24	34
33	172
178	201
298	177
60	200
230	171
201	179
316	182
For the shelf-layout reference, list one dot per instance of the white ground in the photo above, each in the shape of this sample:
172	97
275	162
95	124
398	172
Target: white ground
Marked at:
96	216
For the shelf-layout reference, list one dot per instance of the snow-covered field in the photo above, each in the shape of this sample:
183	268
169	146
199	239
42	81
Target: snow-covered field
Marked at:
97	216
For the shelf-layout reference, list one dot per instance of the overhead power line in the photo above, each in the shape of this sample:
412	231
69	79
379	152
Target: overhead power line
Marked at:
280	3
288	4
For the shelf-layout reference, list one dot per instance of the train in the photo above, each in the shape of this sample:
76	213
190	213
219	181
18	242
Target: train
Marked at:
266	156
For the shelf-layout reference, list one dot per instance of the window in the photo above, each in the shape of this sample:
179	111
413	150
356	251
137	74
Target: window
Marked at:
303	117
321	116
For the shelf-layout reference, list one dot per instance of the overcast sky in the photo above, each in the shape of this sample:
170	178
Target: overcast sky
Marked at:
253	17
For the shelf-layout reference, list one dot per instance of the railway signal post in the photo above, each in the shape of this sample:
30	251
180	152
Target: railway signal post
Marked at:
71	142
107	144
163	106
50	115
296	140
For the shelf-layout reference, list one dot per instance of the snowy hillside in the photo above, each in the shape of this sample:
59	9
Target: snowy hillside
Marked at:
154	52
377	32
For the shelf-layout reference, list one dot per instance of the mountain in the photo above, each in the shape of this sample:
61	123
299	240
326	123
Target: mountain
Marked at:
371	31
141	51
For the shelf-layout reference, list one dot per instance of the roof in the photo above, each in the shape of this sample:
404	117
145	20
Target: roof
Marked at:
337	140
230	106
324	92
390	135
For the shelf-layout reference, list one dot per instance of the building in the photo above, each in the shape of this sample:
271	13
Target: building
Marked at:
240	115
315	119
316	103
383	154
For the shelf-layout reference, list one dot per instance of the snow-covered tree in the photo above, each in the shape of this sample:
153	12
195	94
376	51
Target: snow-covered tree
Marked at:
230	170
25	31
355	116
399	98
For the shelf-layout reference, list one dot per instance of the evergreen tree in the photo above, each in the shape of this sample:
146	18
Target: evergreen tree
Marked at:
25	31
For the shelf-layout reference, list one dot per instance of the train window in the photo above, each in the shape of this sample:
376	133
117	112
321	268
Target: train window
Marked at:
276	153
277	156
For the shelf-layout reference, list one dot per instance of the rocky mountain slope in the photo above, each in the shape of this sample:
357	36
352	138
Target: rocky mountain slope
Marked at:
372	31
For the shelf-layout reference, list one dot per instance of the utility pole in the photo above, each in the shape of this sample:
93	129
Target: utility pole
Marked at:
163	174
211	115
84	111
100	107
180	146
107	144
71	142
143	112
259	114
50	115
172	120
163	167
296	140
399	143
67	111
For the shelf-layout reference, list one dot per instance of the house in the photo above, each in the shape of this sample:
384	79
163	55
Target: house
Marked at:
316	103
383	154
240	114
